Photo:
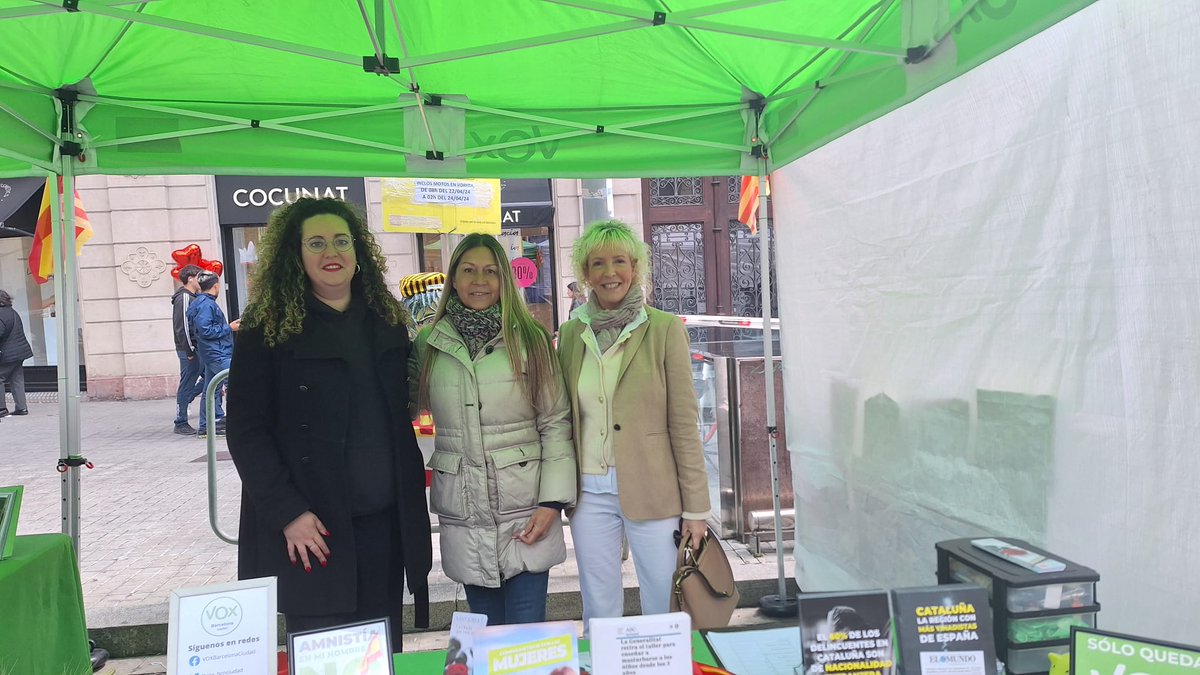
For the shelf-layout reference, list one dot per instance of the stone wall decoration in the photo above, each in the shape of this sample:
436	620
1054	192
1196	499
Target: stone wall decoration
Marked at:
143	267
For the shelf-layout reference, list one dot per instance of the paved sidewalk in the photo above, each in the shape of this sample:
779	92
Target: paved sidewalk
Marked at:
145	526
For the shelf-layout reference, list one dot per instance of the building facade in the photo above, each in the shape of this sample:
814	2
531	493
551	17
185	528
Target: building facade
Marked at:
125	281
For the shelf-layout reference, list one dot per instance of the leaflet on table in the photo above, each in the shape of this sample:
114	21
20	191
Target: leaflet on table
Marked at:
526	649
223	628
1019	556
1097	651
658	644
463	626
768	651
944	630
847	633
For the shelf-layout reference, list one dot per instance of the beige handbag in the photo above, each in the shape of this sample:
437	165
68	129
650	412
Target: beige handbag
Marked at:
703	584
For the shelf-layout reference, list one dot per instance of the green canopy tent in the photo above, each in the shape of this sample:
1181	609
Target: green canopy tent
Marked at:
480	88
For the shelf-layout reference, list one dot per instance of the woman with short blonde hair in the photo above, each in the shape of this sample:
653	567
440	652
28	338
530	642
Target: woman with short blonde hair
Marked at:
629	376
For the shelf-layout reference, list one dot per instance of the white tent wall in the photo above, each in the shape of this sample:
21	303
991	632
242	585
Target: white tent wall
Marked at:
992	320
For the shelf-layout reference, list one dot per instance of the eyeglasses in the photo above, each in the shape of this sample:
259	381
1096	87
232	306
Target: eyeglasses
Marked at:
341	242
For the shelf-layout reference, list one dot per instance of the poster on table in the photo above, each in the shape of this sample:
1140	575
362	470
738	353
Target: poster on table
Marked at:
223	628
10	510
1098	652
944	630
441	205
362	648
526	649
463	626
846	633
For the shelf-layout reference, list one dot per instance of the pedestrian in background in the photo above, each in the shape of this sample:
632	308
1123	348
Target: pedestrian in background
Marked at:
191	377
319	427
504	466
214	344
577	295
14	349
629	374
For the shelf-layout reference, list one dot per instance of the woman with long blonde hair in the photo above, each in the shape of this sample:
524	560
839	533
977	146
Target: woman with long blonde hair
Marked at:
503	461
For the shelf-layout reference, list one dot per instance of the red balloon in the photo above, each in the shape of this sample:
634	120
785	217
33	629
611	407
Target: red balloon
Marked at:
192	255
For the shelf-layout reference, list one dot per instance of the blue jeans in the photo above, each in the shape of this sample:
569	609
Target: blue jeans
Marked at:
521	599
190	385
211	368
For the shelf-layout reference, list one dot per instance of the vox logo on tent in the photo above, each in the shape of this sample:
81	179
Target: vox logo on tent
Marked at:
221	616
524	148
988	9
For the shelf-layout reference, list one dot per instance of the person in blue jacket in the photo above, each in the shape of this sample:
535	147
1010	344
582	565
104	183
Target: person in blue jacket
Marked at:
214	343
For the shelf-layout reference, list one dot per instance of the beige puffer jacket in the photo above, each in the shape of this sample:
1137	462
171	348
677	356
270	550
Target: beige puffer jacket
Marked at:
495	458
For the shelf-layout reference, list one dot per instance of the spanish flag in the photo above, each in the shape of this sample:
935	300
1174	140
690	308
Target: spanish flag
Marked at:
41	254
374	660
748	203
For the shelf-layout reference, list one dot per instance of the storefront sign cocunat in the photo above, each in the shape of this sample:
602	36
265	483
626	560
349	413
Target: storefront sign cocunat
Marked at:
246	200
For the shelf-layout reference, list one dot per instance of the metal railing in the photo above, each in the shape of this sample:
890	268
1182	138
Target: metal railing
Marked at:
210	395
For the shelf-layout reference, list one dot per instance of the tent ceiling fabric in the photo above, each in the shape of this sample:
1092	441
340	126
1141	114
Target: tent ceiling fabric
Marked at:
507	88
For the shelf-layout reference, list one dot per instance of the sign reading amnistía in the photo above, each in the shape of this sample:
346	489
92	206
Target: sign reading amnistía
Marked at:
225	628
944	630
362	648
847	633
1096	652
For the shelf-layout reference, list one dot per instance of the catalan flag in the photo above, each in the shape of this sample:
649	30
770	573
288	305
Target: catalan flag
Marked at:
748	203
41	254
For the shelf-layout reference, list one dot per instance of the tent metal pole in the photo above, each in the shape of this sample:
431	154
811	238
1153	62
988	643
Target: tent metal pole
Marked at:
736	107
820	84
26	87
622	130
525	43
777	605
334	137
55	8
168	135
222	34
17	116
41	164
152	107
680	141
528	117
68	349
792	39
605	8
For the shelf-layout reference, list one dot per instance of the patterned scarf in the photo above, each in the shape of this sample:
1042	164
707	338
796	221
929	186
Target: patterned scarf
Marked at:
477	328
607	324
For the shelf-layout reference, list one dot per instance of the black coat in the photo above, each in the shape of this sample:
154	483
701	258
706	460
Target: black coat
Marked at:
14	347
288	409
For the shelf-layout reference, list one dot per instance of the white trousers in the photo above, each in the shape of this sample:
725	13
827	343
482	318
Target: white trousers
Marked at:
597	527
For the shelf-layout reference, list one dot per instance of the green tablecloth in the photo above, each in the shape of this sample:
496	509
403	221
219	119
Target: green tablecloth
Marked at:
420	663
42	628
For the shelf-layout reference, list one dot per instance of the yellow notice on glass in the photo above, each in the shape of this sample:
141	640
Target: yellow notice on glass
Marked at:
441	205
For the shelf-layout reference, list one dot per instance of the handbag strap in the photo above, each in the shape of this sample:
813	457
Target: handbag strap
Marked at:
690	564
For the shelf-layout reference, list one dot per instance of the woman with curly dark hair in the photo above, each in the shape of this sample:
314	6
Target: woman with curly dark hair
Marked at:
319	430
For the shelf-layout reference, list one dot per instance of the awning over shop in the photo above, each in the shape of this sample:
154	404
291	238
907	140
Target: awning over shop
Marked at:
526	202
19	201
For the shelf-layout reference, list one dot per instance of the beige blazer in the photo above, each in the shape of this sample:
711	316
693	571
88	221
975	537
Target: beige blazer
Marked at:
656	441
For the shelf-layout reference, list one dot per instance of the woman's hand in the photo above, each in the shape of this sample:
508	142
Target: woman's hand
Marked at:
304	535
538	525
694	530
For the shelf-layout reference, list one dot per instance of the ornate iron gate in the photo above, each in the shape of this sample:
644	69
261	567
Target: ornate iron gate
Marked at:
677	271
